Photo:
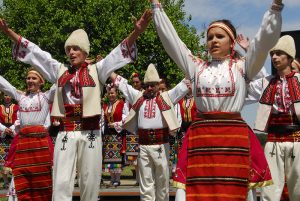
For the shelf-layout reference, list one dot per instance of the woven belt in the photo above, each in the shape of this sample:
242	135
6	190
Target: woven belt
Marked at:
153	136
283	129
33	131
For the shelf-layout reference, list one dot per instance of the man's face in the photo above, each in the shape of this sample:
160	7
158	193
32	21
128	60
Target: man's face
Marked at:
280	60
76	55
151	88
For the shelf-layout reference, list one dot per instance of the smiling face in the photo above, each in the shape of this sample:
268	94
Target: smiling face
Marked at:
33	82
218	43
112	95
76	55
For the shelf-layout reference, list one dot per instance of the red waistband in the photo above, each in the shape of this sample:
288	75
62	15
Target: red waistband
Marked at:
33	131
75	122
289	137
153	136
219	115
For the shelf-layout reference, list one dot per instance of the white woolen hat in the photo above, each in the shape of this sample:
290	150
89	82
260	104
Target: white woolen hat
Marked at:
79	38
151	74
286	44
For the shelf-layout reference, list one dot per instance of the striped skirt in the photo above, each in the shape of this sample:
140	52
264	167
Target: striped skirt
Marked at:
32	164
218	158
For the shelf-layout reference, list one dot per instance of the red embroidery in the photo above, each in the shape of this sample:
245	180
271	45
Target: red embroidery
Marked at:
283	98
127	51
149	111
22	54
163	106
24	44
214	91
269	93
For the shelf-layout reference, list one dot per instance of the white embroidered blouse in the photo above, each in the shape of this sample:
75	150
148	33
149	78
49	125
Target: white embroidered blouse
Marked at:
216	86
33	108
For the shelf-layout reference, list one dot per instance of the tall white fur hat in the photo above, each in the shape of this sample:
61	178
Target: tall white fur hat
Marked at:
151	74
78	38
286	44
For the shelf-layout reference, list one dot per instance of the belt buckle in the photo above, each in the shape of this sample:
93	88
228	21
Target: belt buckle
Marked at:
152	135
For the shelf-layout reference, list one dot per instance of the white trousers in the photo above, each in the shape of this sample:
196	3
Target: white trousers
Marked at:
283	167
153	164
180	195
252	195
82	151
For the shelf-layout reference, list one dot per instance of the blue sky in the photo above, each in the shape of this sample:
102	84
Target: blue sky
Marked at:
246	16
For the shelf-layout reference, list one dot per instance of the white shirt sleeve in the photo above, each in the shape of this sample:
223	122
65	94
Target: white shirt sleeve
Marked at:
8	89
32	54
266	38
173	45
117	58
127	90
178	92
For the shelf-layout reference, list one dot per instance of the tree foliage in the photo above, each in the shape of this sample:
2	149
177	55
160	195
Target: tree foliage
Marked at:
48	23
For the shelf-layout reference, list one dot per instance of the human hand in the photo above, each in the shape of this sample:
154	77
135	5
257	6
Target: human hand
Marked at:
111	125
9	131
141	24
3	25
154	1
56	122
243	42
278	2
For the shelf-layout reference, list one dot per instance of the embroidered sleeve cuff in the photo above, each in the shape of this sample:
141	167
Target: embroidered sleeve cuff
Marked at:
129	52
119	79
20	49
156	6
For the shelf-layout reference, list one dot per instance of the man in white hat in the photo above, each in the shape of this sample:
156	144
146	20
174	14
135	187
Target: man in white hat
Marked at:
77	104
278	115
152	117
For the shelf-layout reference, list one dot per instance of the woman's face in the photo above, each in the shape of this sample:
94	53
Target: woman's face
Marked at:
218	43
7	99
112	95
136	82
33	82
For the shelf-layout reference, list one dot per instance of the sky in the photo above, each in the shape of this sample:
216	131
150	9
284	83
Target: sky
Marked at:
246	17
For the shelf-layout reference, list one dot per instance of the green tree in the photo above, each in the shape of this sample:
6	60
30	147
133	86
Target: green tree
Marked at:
107	22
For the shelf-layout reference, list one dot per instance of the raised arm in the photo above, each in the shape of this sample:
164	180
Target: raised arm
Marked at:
7	31
127	90
31	54
178	92
173	45
125	52
8	89
139	27
265	39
